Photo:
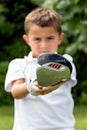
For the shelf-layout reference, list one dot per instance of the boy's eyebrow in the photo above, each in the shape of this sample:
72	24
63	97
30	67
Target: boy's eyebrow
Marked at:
52	35
46	36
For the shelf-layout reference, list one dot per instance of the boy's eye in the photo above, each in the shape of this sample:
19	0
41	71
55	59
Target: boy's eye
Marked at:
36	39
50	38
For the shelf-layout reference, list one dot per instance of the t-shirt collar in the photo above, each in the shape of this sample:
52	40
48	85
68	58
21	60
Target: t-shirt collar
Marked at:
30	57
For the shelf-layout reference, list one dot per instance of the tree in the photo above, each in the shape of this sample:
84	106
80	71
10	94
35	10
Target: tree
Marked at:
12	15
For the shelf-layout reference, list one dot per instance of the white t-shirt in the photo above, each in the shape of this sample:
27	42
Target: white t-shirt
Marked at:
53	111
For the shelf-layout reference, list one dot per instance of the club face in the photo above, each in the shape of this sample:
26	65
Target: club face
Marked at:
48	76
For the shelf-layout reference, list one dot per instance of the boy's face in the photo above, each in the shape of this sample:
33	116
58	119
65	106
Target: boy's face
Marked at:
43	40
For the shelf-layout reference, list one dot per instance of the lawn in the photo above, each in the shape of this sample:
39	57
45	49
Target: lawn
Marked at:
80	113
6	117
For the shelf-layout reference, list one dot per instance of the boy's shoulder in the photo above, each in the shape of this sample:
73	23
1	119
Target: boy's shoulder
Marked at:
68	57
18	61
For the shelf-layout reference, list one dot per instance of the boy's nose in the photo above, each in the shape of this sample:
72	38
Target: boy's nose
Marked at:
44	47
44	44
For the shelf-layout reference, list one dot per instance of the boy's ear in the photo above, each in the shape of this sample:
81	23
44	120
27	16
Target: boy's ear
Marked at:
61	36
26	38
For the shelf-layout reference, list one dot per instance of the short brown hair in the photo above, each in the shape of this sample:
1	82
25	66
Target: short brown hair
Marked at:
43	17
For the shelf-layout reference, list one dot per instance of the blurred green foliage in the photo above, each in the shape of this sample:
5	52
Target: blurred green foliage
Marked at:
74	25
5	98
12	15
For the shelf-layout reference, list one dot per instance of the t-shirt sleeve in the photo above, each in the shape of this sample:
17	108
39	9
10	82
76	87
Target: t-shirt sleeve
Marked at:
15	71
73	80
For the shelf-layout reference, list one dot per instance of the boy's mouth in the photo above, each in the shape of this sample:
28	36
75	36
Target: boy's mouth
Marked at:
45	52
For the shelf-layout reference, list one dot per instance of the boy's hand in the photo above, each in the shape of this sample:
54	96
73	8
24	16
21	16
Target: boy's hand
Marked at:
35	89
45	90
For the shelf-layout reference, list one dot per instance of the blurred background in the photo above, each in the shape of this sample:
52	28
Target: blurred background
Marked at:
74	25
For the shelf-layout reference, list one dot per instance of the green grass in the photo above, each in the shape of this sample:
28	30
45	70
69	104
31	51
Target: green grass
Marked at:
80	113
6	117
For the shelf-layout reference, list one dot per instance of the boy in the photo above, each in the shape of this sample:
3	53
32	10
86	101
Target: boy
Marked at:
52	109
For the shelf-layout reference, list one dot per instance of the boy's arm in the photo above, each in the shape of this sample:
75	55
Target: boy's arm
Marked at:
19	88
